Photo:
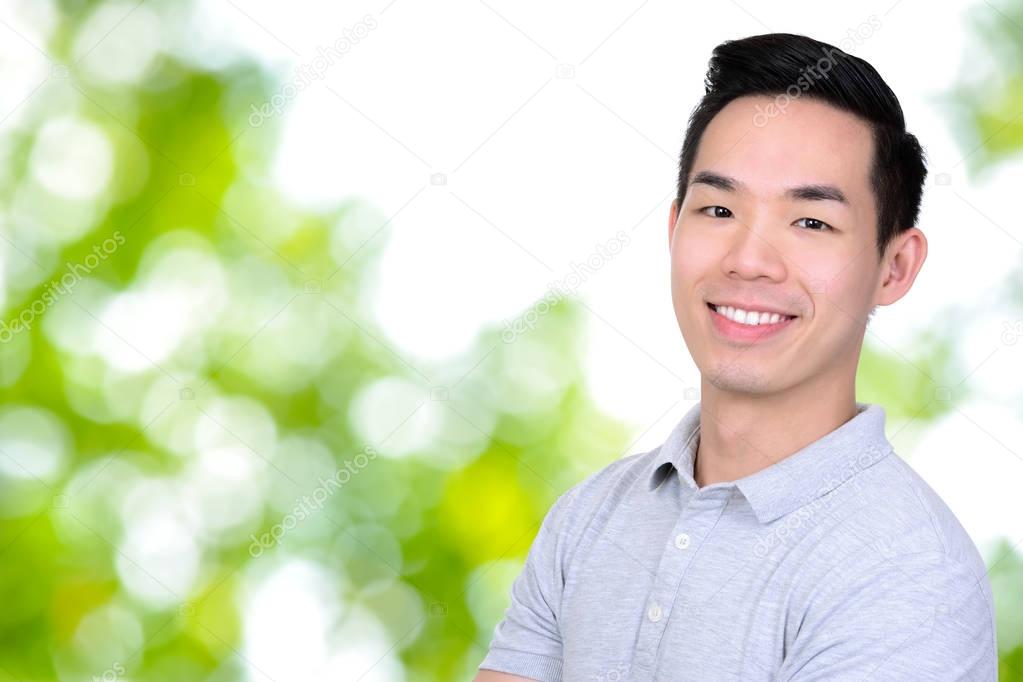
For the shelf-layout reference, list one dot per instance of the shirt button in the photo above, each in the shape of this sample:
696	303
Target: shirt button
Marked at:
682	540
654	613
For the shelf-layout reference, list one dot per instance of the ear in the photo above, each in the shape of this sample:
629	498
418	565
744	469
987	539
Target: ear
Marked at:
904	257
672	220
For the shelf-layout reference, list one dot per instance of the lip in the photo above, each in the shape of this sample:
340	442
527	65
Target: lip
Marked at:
744	333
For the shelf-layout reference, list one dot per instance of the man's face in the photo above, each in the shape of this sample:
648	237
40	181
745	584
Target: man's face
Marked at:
795	233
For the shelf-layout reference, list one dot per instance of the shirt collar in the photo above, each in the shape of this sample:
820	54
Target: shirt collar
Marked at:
796	480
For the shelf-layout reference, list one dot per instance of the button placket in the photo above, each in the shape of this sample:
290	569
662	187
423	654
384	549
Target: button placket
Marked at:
697	519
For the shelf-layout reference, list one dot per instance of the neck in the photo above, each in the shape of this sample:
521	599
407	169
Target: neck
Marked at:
742	433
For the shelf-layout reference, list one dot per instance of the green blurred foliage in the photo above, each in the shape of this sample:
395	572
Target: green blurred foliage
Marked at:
987	103
268	360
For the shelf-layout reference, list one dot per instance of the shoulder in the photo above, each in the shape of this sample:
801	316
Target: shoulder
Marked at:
887	529
601	492
899	553
916	518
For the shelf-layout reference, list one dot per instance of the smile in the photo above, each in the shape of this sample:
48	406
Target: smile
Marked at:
727	324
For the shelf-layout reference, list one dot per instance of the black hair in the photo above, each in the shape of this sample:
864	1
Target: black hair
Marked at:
787	66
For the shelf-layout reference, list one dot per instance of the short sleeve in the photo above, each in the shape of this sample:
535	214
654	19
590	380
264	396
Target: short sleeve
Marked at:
921	616
527	641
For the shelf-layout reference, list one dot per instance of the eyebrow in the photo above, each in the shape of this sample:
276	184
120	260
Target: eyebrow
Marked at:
813	192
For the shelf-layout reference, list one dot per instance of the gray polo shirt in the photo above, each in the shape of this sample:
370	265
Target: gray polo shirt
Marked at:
838	562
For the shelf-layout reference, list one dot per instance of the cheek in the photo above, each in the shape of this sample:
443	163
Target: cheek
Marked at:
693	254
840	285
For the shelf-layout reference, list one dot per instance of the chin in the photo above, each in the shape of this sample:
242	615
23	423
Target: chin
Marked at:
736	377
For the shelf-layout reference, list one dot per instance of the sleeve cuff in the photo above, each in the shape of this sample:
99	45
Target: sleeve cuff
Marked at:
525	664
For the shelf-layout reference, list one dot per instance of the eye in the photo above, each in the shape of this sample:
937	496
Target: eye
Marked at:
816	225
716	212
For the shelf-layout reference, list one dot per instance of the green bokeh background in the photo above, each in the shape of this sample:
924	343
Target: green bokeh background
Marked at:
133	484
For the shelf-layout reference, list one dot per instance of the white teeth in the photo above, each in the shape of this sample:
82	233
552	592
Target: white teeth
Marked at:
747	317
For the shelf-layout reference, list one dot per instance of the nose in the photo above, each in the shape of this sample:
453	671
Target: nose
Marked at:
751	254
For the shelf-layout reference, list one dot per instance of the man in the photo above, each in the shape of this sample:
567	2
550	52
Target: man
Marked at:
775	534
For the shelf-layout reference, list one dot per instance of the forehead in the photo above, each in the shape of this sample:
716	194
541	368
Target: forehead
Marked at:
769	149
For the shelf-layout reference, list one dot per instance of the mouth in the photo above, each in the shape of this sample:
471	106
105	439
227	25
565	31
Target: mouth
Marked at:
733	326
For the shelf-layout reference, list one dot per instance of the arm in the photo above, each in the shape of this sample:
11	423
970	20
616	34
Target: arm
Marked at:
920	616
526	644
